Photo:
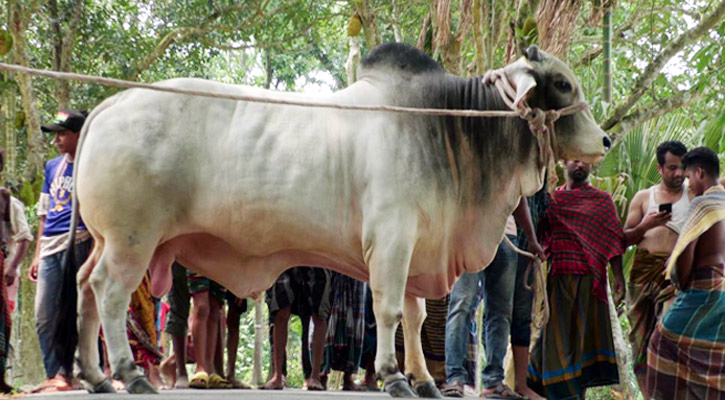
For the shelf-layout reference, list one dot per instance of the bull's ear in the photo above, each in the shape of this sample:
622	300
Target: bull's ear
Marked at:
533	54
519	74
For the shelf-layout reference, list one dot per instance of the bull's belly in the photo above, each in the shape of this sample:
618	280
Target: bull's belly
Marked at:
247	275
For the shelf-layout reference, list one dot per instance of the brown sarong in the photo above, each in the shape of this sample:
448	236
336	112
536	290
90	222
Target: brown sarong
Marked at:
576	349
647	292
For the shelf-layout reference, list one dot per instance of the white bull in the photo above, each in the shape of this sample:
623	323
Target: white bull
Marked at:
241	191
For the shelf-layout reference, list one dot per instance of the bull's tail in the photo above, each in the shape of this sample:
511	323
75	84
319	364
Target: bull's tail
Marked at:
65	337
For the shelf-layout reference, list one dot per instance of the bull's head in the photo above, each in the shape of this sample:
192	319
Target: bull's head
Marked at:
547	83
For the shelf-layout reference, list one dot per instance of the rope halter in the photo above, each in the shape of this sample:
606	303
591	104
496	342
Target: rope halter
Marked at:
541	123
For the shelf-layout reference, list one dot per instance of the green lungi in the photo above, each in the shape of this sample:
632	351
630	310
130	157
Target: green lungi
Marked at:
575	350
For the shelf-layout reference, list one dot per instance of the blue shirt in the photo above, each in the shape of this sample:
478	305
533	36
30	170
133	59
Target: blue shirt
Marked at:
58	184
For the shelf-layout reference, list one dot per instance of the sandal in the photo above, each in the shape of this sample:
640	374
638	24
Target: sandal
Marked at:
199	380
453	388
217	382
502	392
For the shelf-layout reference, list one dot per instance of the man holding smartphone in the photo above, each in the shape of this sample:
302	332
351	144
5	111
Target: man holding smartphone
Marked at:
653	224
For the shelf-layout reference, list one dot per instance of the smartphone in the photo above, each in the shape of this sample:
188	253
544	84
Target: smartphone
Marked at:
667	207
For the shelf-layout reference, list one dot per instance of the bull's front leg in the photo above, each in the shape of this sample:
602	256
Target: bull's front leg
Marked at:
389	262
413	316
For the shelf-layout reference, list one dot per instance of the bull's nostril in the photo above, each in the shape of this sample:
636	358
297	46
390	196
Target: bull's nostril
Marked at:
607	142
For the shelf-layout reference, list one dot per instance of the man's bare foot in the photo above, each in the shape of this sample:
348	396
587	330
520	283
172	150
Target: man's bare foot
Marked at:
528	393
155	376
370	383
237	384
168	372
182	382
314	384
276	383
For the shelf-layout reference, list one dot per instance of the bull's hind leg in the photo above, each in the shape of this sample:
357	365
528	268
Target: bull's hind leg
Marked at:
413	317
389	263
118	274
88	327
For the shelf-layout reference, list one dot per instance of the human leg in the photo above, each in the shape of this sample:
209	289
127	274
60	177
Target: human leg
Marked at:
177	325
463	301
200	332
281	320
499	281
236	307
49	280
318	348
521	328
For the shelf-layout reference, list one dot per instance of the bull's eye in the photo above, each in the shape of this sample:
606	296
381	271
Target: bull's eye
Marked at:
563	86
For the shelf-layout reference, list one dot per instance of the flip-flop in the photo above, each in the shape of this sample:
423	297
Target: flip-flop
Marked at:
453	389
199	380
503	392
217	382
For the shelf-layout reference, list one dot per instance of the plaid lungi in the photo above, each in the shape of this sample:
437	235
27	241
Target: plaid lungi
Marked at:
646	296
305	289
686	355
346	326
575	350
433	341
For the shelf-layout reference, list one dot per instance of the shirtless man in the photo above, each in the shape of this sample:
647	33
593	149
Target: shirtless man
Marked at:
653	226
685	352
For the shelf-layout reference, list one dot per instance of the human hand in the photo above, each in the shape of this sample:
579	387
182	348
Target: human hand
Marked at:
33	271
10	275
619	290
535	248
655	219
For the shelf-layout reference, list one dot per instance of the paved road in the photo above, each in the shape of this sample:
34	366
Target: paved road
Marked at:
191	394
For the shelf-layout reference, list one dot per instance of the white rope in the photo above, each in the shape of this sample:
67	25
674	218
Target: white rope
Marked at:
70	76
539	285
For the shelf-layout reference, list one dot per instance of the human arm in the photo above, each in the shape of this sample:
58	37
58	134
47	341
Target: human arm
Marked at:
11	272
637	224
33	271
522	216
618	290
684	266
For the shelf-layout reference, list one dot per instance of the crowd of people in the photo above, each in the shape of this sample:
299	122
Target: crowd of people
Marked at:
675	296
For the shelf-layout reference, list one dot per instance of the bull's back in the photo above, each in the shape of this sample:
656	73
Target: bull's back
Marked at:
263	177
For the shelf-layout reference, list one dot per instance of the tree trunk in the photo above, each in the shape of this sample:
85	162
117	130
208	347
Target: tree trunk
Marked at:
260	336
607	45
556	20
19	20
397	32
353	60
370	26
447	44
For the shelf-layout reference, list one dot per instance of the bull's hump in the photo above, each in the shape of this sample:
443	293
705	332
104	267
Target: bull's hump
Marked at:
400	58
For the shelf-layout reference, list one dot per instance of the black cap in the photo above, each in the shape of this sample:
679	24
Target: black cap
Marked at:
66	120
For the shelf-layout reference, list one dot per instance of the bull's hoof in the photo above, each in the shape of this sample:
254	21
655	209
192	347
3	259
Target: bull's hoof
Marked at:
399	388
428	390
141	385
105	386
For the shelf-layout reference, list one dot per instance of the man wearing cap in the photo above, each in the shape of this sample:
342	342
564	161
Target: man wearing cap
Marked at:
54	210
